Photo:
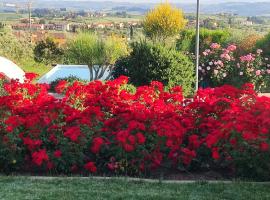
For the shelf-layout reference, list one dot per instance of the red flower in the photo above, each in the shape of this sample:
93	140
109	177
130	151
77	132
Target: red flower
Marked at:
128	147
50	165
140	138
264	146
39	157
96	144
73	133
31	144
215	154
194	141
57	154
90	166
30	76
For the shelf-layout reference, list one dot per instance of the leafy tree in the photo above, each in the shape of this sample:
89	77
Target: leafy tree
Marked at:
99	54
48	52
163	22
148	62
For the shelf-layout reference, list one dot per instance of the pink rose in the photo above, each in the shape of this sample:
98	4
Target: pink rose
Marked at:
258	72
215	46
247	58
231	47
225	56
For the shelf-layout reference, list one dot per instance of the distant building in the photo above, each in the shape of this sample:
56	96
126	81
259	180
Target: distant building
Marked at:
247	23
102	25
49	27
60	27
120	25
26	26
26	20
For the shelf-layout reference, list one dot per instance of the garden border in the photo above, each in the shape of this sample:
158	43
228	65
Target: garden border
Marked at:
130	179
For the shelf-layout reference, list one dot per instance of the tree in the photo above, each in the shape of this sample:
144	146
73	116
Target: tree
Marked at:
163	22
99	54
42	21
153	62
48	52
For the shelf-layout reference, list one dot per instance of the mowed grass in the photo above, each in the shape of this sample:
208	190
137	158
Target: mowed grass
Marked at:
34	67
79	188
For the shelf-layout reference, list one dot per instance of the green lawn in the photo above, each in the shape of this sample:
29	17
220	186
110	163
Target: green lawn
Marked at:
76	188
34	67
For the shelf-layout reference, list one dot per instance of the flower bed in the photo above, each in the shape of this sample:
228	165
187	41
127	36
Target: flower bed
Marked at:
103	128
226	65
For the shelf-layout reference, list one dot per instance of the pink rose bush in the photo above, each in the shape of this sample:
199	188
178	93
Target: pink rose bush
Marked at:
221	66
101	128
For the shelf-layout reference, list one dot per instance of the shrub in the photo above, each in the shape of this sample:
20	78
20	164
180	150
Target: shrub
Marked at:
148	62
15	49
264	44
248	44
187	39
48	52
3	80
219	66
102	128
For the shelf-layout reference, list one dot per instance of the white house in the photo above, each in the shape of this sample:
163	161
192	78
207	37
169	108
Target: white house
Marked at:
11	70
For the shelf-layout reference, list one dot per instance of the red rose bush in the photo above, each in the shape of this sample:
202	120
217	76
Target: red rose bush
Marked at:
102	128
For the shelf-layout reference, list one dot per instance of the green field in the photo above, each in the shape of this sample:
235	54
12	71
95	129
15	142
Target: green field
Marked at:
11	17
20	188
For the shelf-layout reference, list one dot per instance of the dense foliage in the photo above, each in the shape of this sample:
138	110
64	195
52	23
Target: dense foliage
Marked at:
14	48
264	44
48	52
148	62
163	22
219	66
3	81
187	39
102	128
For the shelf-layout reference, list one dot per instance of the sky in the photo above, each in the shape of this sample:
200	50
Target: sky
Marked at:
179	1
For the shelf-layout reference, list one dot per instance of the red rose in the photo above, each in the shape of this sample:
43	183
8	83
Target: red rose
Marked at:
39	157
264	146
90	166
96	144
73	133
57	154
140	138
